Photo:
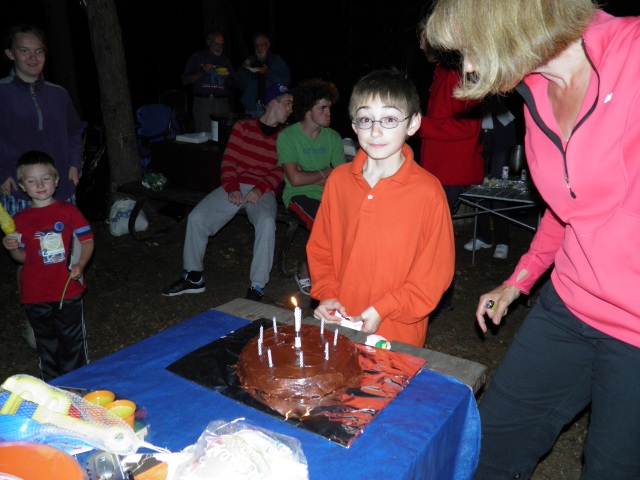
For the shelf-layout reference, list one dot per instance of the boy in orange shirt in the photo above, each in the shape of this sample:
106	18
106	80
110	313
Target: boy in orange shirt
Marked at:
382	247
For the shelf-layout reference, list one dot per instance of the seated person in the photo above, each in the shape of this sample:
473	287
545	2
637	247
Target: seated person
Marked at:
382	247
307	150
249	177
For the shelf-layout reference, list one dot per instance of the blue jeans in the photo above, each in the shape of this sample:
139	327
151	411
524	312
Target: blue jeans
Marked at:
555	367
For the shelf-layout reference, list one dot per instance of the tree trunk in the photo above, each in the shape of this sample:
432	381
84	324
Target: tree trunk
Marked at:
115	97
63	65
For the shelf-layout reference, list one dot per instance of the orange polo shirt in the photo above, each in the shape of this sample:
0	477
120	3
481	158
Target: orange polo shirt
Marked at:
390	246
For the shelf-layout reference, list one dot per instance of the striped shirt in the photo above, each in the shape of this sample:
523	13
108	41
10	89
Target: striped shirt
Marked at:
250	158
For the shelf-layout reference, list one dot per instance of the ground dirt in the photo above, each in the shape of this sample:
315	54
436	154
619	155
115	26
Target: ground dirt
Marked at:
123	305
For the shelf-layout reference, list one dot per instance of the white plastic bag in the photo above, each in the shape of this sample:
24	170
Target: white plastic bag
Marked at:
119	218
238	450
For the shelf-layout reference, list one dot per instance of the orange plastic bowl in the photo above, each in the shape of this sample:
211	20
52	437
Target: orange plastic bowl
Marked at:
99	397
37	461
125	409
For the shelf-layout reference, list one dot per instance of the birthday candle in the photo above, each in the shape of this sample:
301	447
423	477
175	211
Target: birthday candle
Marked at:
326	350
335	337
298	340
269	356
301	359
275	326
259	347
322	326
261	337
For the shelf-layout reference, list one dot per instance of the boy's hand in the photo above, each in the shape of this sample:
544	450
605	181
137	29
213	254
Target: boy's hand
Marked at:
371	319
76	272
10	242
235	197
253	196
326	308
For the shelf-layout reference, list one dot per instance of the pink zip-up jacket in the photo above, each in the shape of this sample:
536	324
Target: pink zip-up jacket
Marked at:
591	184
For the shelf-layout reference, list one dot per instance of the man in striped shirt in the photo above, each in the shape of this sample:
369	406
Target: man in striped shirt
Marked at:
250	175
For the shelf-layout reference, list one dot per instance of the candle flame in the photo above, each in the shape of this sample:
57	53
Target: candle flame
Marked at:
293	300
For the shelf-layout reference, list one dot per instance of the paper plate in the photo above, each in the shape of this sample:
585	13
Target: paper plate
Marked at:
36	461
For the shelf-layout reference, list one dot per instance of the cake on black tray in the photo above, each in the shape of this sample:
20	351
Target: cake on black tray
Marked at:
288	387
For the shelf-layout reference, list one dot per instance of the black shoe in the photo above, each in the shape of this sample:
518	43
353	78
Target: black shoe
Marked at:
182	285
254	294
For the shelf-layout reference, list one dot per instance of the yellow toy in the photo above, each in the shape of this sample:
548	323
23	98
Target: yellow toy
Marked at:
6	222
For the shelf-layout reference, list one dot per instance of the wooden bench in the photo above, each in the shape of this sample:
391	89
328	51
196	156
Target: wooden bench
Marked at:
191	198
467	371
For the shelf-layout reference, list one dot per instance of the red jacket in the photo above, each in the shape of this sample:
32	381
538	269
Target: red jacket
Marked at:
450	132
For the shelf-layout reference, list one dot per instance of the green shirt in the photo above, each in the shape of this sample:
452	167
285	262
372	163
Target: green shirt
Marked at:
295	146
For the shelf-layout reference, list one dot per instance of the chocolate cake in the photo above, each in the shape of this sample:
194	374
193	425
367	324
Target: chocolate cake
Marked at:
286	386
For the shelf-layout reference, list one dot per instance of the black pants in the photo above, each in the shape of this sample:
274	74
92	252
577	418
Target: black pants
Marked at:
61	340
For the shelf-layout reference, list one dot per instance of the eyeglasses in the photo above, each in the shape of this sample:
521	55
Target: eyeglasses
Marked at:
365	123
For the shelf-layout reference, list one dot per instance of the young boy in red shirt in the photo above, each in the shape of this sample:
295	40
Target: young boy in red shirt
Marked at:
382	247
50	287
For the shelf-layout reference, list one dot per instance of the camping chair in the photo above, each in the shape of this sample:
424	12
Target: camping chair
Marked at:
177	99
156	122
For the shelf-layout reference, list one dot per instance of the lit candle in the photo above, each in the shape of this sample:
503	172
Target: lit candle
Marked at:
297	317
261	337
270	359
326	350
275	326
322	326
335	337
297	314
301	359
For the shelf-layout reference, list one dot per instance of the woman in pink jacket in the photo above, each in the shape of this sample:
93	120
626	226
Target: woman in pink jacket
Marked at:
578	70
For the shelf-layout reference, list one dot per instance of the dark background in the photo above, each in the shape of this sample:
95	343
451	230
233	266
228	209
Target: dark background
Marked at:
338	40
335	40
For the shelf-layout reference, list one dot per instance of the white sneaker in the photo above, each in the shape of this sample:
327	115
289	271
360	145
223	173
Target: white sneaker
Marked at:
479	244
502	251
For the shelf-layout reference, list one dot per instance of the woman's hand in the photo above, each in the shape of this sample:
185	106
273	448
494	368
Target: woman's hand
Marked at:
495	304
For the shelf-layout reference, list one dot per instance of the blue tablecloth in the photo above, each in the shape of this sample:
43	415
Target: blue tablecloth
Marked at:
430	431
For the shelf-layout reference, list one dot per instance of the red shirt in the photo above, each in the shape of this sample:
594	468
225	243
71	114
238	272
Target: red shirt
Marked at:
450	132
46	236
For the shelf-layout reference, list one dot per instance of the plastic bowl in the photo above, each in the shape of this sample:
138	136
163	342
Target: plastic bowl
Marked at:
100	397
125	409
36	461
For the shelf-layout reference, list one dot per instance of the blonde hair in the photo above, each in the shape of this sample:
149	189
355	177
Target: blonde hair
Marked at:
505	40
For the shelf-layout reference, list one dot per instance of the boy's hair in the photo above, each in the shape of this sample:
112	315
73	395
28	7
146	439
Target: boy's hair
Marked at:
391	86
310	92
13	33
32	158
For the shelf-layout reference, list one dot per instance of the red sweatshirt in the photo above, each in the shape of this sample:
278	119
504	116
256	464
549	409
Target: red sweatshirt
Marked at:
250	158
450	132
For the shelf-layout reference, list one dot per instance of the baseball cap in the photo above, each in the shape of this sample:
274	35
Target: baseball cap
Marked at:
274	91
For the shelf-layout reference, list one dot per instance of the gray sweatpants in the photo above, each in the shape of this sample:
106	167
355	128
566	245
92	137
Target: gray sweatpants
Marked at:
213	212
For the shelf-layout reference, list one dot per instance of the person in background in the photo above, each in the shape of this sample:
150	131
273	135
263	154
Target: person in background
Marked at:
258	72
36	115
499	137
249	177
210	72
51	280
451	147
577	69
307	151
382	248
